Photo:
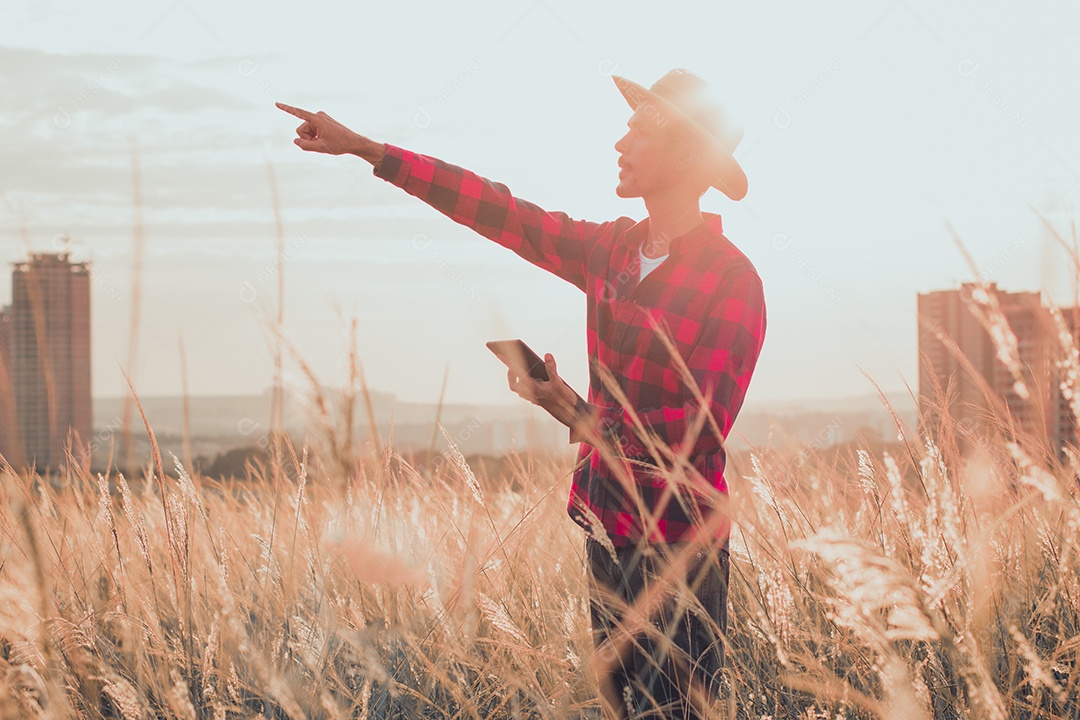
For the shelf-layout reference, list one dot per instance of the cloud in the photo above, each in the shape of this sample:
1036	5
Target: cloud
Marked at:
110	85
73	119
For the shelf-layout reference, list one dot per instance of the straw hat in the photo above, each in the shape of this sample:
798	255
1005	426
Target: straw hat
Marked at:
684	97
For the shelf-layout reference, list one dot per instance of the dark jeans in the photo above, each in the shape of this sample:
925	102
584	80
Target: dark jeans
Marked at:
657	677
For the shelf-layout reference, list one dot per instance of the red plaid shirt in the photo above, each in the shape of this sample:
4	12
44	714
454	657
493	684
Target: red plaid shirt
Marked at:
706	295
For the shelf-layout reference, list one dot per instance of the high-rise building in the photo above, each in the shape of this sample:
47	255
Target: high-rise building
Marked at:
5	334
48	353
10	444
1045	412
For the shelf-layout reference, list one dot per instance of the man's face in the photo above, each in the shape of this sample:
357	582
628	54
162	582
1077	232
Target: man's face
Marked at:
645	154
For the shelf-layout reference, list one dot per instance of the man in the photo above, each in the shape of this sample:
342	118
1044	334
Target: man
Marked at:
676	321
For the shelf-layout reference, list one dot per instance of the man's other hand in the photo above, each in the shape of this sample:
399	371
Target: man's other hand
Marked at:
553	394
321	133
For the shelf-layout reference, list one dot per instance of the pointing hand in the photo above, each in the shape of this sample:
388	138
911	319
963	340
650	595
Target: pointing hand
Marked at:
321	133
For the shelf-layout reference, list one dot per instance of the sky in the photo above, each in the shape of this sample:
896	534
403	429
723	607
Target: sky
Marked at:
871	129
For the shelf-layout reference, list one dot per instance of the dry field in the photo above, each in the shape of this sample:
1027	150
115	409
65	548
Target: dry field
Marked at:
906	585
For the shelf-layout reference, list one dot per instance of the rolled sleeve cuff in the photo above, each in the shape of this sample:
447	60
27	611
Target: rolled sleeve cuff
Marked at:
394	165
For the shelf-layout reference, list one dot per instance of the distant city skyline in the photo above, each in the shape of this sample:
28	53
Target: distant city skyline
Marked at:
868	129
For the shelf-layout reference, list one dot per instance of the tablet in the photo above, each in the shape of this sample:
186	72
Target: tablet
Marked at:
520	357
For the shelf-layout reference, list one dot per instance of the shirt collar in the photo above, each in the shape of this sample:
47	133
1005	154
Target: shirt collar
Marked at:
711	229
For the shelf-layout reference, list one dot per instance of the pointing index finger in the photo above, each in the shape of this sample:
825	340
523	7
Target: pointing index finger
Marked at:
302	114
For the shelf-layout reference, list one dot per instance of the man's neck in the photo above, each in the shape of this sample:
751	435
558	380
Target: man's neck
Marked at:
669	218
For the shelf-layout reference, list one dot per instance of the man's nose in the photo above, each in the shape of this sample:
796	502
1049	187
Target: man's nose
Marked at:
620	145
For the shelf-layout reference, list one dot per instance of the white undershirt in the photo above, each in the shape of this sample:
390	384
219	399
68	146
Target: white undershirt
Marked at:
649	264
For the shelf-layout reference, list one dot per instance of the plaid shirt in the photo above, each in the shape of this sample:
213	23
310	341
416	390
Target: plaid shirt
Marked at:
706	295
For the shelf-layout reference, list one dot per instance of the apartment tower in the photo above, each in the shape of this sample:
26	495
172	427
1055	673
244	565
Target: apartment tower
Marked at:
1045	412
45	334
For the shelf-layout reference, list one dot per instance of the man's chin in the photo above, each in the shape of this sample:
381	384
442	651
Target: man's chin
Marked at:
626	192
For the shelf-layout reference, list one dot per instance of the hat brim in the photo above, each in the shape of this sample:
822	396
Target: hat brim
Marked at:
730	178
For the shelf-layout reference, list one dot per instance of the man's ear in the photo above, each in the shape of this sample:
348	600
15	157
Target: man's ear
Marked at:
687	159
687	163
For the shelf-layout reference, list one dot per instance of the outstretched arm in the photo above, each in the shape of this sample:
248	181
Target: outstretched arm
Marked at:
550	240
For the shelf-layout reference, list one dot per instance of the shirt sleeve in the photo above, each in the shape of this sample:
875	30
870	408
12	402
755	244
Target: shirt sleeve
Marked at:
723	361
550	240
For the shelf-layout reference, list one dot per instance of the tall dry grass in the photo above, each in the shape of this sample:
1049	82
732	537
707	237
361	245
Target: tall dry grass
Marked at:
922	582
